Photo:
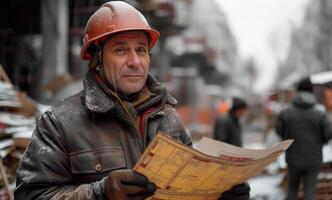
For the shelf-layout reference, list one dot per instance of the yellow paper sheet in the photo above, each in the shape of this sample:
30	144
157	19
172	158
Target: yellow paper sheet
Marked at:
181	172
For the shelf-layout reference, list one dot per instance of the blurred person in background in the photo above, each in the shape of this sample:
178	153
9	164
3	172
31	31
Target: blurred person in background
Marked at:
227	128
85	146
307	123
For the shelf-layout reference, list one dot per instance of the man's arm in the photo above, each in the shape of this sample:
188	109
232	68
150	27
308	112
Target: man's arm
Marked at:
221	130
172	125
44	171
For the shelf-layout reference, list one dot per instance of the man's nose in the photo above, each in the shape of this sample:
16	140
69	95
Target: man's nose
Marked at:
133	59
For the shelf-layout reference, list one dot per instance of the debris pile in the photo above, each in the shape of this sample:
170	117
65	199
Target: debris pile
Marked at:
18	114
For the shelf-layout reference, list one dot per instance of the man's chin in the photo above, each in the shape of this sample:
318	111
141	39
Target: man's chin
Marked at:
131	90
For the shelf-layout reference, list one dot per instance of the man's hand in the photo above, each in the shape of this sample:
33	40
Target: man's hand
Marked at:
238	192
126	184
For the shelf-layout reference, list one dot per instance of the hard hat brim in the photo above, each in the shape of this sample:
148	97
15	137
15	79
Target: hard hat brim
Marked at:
154	36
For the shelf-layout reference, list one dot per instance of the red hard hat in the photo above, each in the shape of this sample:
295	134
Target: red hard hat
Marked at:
114	17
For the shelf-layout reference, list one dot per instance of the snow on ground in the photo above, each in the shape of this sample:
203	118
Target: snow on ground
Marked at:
266	187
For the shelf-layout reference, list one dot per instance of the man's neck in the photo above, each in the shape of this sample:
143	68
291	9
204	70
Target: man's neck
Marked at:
128	97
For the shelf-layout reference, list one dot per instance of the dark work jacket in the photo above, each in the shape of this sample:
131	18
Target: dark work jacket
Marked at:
309	126
228	130
78	141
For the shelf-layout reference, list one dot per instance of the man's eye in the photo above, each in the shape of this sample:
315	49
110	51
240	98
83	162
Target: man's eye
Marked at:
142	51
120	50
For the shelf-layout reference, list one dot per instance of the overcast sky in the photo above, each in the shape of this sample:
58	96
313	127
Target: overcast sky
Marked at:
262	29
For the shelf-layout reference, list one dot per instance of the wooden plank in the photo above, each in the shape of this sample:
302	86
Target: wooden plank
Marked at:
4	75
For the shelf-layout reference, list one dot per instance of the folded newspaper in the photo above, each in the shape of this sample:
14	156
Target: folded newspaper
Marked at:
181	172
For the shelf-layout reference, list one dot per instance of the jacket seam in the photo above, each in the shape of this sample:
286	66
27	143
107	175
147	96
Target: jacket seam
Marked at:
60	130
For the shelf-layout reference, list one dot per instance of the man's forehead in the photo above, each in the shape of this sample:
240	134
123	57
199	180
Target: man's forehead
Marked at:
130	35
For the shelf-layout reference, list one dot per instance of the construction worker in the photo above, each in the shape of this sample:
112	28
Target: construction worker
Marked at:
227	128
309	125
85	146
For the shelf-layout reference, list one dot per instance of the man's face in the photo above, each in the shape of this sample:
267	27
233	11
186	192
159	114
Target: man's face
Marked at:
126	61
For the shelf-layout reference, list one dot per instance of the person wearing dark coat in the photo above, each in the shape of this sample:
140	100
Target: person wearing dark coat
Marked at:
306	122
227	128
85	146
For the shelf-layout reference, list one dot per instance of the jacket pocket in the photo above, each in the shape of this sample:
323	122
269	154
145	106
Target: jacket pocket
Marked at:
97	160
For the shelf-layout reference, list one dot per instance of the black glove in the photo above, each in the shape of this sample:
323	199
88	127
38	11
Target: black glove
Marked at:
238	192
127	184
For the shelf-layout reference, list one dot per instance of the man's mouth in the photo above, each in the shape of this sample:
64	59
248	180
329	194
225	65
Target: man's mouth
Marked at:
132	75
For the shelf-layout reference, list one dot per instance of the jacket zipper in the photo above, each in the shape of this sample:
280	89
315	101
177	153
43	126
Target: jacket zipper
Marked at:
132	129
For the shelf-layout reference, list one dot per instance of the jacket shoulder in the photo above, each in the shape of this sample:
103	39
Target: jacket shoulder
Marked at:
68	106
